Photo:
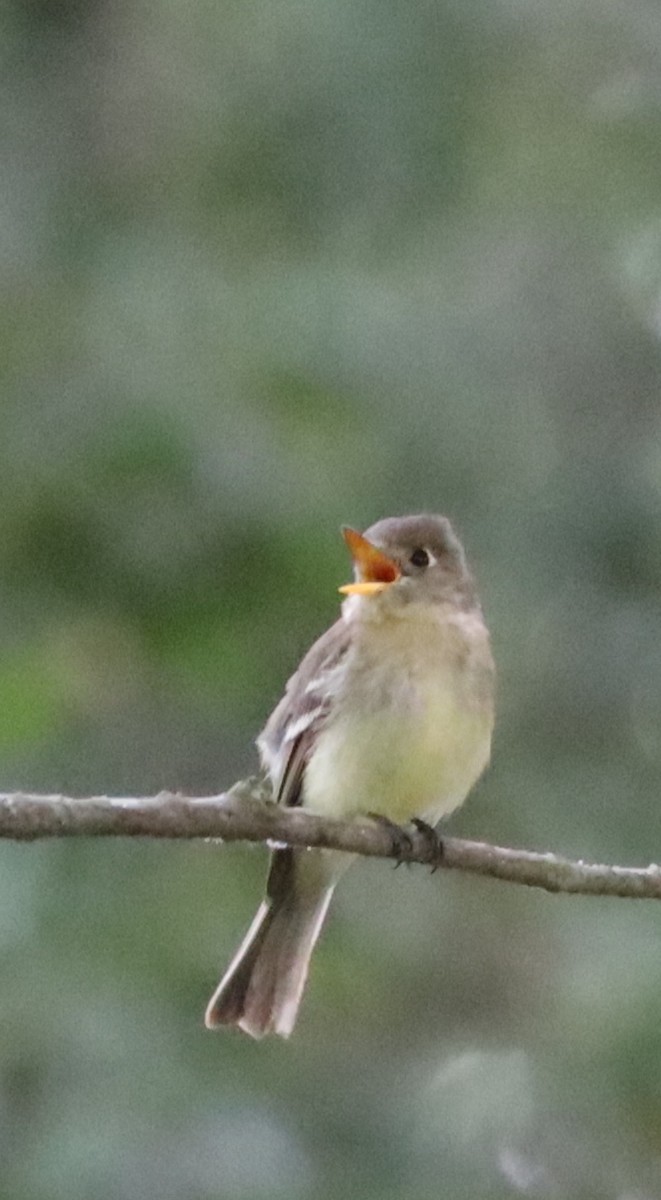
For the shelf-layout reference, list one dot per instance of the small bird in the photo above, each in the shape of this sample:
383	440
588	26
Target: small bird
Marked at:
390	712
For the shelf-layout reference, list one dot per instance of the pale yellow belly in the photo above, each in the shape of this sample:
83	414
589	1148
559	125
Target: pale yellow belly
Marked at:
402	764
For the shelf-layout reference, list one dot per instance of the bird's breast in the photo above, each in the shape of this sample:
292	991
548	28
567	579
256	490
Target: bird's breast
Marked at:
409	732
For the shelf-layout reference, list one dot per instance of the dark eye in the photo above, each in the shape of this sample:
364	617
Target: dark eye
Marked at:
420	558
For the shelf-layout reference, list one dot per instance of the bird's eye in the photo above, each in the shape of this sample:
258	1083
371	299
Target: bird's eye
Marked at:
419	558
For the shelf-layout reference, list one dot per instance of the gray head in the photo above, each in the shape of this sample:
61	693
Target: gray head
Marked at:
405	560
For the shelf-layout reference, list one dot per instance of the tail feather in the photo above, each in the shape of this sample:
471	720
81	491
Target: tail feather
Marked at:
262	988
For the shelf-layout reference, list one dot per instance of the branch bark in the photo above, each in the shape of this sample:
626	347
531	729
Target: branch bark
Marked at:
245	813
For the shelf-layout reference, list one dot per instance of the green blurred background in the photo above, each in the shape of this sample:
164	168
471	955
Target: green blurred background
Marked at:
268	267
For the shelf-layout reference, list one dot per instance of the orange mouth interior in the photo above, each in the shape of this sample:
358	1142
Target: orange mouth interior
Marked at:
377	570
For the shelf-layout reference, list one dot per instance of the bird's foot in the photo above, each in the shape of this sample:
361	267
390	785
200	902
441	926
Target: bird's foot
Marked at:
402	844
433	843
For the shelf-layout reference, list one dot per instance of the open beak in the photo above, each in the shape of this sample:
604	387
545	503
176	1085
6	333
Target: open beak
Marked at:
377	571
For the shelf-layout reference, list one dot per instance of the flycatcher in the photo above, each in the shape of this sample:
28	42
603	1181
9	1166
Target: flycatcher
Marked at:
391	711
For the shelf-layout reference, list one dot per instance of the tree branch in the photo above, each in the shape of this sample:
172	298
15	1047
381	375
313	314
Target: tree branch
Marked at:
245	813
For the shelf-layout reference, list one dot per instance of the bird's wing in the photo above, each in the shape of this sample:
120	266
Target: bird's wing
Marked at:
290	733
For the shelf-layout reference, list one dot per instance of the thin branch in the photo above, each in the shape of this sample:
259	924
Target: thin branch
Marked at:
245	813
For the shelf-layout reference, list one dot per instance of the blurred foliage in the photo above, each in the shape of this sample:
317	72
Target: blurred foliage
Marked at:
266	268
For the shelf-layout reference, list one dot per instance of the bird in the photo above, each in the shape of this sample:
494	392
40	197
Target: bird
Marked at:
391	713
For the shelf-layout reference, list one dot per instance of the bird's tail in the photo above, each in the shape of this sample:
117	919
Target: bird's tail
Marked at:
262	988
